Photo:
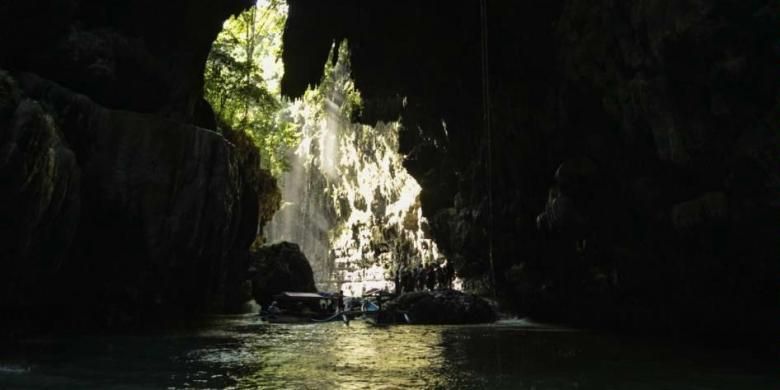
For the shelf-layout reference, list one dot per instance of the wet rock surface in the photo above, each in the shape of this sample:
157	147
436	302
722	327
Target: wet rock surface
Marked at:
443	307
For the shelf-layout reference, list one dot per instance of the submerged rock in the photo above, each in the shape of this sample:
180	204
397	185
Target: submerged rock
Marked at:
280	267
444	307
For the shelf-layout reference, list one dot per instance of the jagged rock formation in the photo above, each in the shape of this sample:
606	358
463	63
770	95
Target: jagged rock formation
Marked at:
348	201
659	117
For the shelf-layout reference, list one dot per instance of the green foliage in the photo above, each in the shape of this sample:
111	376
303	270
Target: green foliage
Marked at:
336	84
242	81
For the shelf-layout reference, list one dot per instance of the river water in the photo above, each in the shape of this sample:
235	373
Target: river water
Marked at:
242	352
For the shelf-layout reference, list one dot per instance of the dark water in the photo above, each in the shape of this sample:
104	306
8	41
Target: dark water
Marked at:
241	352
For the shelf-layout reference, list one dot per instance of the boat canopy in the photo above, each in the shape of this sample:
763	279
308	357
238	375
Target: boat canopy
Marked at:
299	295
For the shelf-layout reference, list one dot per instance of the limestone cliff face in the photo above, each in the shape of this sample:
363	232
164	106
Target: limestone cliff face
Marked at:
634	146
348	201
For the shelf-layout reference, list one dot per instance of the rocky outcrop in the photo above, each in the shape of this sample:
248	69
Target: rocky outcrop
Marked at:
40	201
278	268
118	210
443	307
659	117
115	207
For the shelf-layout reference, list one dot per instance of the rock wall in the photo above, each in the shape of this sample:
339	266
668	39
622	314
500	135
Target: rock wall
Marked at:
634	147
117	204
117	208
138	55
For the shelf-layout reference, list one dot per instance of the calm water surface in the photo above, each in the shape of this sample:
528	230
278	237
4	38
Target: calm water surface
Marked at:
242	352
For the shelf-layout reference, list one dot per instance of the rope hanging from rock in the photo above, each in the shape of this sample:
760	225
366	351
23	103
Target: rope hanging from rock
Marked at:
488	135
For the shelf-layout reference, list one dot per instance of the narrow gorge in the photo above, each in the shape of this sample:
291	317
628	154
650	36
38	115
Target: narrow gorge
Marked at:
282	194
601	164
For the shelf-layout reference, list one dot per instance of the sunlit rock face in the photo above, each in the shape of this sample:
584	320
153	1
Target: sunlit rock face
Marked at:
347	199
643	134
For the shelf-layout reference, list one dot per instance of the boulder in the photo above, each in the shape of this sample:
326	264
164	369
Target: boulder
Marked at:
443	307
280	267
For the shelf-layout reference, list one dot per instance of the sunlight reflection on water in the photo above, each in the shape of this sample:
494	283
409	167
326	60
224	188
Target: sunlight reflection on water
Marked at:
509	355
242	352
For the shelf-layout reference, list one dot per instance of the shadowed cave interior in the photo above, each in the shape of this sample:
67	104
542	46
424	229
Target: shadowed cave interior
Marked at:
598	164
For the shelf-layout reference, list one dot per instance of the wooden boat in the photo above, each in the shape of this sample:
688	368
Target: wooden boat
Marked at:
307	308
302	308
375	314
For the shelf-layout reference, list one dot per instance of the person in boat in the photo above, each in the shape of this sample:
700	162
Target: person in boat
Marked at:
407	283
274	308
301	308
449	273
441	277
430	277
340	301
419	279
399	279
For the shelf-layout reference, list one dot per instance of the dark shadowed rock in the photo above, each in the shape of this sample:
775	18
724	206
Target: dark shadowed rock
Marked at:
149	214
39	200
660	116
139	55
443	307
280	267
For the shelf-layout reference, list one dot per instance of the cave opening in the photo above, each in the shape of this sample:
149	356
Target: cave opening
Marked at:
346	198
601	175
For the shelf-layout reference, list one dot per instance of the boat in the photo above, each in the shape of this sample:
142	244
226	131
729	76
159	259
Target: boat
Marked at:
307	308
374	313
303	308
386	317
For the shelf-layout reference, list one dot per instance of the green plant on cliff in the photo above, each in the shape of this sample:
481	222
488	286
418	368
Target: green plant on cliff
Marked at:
242	81
336	87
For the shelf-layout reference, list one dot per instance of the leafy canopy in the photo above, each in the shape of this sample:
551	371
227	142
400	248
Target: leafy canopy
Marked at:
242	81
